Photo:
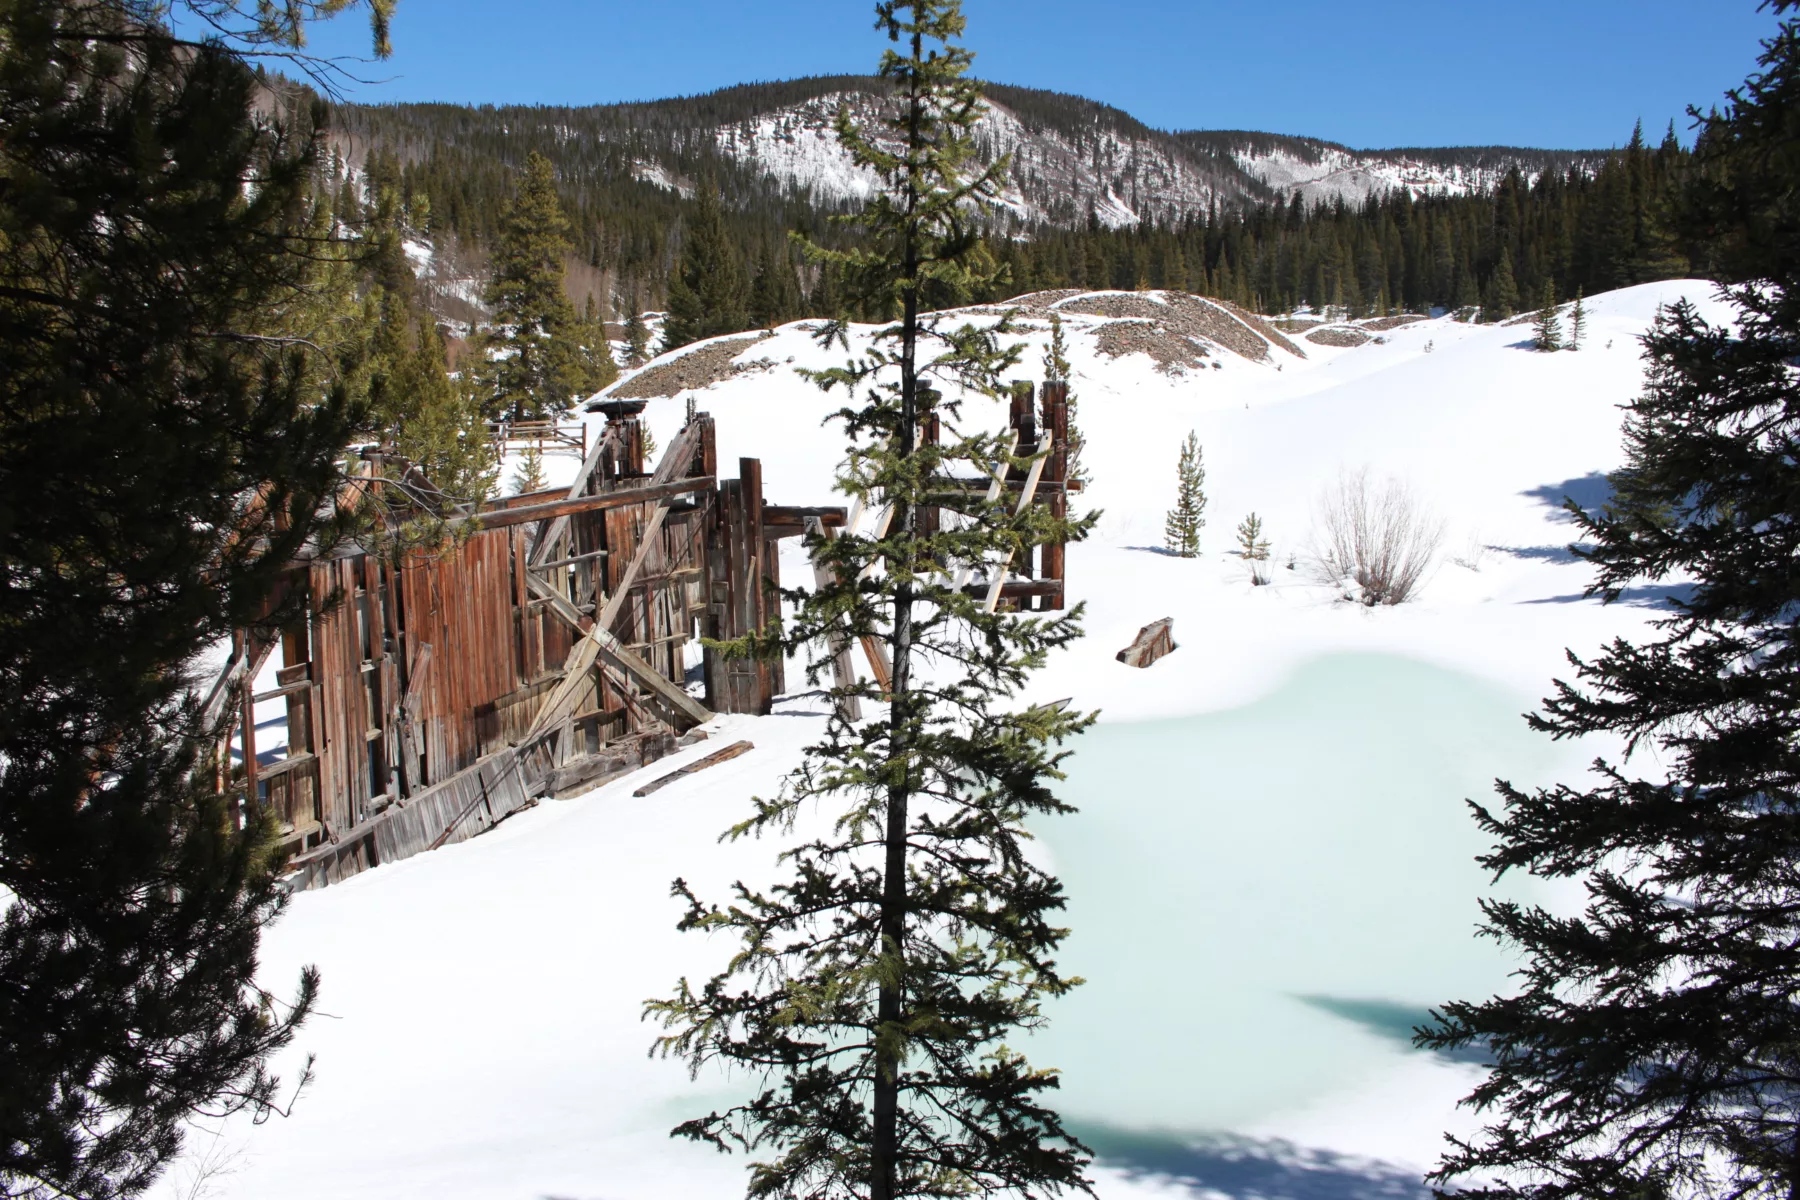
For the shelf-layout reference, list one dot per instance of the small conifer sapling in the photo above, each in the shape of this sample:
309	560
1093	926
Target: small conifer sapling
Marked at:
1253	548
1577	323
528	476
1548	330
1057	370
1181	528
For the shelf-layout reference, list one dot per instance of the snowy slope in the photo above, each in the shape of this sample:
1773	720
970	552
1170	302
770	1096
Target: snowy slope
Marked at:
1333	173
1271	867
1056	176
1121	171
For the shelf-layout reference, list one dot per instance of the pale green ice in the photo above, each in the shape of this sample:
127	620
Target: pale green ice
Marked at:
1265	900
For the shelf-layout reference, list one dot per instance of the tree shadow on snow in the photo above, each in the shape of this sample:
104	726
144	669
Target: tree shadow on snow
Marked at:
1555	554
1388	1019
1651	595
1162	550
1590	493
1245	1168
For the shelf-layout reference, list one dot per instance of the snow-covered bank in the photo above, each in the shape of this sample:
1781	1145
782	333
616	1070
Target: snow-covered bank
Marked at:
1266	884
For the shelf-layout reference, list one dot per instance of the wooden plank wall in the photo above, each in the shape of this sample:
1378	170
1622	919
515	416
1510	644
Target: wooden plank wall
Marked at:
412	685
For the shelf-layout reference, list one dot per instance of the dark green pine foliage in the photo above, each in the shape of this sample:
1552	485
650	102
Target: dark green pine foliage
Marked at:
167	431
707	292
1181	528
775	292
432	422
1503	291
880	988
1057	369
637	334
1547	329
1650	1050
538	359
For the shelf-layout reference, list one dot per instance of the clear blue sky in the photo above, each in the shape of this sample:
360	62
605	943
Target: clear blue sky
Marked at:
1369	73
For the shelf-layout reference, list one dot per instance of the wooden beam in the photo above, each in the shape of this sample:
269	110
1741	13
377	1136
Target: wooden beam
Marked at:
614	655
500	518
699	764
583	654
843	671
793	514
570	561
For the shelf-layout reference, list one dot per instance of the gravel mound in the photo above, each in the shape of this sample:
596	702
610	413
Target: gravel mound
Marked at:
1341	336
698	368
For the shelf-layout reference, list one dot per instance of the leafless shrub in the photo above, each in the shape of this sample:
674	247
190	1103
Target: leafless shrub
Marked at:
1374	541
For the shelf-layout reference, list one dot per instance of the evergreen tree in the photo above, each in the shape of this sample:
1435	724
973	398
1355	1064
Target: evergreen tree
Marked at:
707	294
528	476
1503	291
432	423
1057	369
637	334
1650	1051
775	292
172	408
442	432
534	362
1253	548
1181	529
1547	333
880	985
1577	323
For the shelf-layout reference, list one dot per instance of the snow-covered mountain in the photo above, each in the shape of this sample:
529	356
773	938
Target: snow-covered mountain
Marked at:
1120	172
1071	158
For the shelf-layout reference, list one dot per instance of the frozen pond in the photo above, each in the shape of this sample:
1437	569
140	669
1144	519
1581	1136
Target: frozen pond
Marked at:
1266	899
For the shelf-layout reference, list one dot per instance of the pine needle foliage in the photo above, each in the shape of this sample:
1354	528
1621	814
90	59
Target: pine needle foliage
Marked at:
1651	1049
1577	323
1058	370
708	294
177	384
539	355
1181	528
877	987
1547	330
1253	548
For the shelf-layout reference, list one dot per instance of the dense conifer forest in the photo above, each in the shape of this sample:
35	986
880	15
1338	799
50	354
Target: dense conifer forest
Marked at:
627	175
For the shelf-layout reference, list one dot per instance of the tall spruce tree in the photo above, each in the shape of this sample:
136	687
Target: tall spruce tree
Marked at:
535	361
879	986
173	402
775	292
1181	528
1503	291
637	334
707	292
1651	1050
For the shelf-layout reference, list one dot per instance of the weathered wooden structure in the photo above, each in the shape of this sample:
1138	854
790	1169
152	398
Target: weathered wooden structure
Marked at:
553	644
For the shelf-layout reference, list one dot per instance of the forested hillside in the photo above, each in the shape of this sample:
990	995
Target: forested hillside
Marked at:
1097	199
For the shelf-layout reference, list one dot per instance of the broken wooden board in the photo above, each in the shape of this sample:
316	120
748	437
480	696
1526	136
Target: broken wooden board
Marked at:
699	764
618	758
1153	641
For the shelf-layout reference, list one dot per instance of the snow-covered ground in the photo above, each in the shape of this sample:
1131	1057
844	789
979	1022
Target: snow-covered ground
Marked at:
1269	881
